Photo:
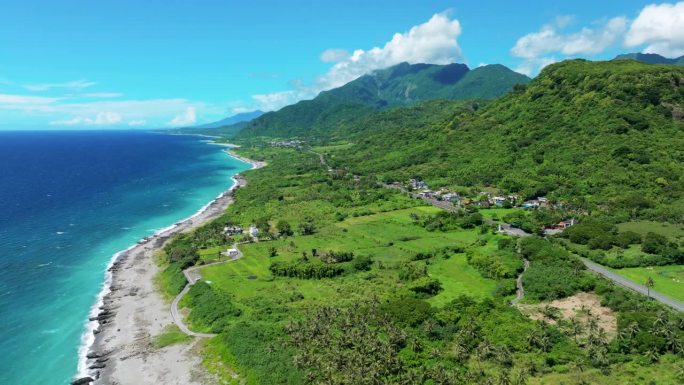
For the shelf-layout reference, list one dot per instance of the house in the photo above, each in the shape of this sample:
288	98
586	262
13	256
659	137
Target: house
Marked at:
482	204
565	224
417	184
253	231
499	200
531	204
233	252
232	230
559	227
451	197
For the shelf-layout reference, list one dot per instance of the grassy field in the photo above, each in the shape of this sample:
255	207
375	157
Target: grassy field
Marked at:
672	231
663	372
669	280
389	238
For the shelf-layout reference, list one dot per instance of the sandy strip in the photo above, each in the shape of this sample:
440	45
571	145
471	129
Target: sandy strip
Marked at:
132	312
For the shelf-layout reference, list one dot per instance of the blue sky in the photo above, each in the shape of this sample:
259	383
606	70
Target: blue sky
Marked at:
112	64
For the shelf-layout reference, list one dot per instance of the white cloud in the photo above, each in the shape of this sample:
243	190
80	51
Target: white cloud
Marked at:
134	123
334	55
275	100
434	41
73	85
8	100
101	119
535	47
103	95
660	27
186	118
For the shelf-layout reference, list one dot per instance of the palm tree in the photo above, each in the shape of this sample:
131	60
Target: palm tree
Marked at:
576	327
649	284
651	355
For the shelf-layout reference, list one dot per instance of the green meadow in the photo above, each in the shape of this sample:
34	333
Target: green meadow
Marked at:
668	280
388	238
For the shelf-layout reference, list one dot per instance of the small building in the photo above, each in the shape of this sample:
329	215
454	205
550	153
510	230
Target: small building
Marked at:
531	204
482	204
253	231
499	200
232	230
417	184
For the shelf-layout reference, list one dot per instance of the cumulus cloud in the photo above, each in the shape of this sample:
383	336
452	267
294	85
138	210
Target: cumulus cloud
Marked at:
660	27
134	123
186	118
536	47
333	55
435	41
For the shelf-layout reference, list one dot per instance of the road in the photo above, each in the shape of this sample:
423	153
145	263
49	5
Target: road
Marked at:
192	276
629	284
518	283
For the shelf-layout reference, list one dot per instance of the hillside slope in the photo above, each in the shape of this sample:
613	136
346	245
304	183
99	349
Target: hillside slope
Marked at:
401	85
599	134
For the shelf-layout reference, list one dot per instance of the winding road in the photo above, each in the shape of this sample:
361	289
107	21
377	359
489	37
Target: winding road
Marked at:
192	276
519	285
629	284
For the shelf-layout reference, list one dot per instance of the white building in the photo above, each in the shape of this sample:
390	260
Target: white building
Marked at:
253	231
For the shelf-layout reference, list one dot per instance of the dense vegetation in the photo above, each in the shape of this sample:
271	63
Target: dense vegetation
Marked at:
597	136
394	318
354	283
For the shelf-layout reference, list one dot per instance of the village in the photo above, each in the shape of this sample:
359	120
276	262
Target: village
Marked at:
446	198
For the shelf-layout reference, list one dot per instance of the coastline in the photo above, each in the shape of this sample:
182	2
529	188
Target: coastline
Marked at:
116	347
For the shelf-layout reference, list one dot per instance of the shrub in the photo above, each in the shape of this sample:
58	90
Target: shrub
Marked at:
362	263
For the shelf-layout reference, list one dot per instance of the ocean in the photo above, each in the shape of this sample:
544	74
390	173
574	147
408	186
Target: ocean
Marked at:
68	202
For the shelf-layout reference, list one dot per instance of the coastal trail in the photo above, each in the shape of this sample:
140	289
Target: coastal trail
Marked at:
192	276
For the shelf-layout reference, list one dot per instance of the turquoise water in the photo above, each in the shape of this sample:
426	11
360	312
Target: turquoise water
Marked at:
68	202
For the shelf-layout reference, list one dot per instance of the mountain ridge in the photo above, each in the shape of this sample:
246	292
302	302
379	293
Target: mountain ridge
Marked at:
400	85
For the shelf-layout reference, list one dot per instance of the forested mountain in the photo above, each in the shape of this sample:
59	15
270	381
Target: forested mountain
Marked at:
651	58
610	134
229	121
400	85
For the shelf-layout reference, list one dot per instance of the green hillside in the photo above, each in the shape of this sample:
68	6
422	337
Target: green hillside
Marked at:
400	85
599	134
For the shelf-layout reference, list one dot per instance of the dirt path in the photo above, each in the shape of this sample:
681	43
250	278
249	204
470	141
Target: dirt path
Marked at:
519	284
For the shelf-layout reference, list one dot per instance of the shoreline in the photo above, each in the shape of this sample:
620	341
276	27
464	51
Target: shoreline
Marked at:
129	311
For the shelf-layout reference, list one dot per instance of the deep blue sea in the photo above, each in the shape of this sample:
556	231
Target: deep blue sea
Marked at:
68	202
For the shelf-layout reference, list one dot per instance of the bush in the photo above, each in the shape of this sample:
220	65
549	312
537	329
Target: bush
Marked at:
426	285
305	270
505	287
362	263
654	243
211	308
627	238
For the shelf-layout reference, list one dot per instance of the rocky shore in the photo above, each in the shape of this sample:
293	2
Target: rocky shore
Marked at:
133	312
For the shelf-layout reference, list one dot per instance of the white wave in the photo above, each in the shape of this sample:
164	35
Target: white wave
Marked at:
88	338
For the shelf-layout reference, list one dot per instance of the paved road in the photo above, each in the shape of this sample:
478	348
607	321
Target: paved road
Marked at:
192	276
519	284
629	284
